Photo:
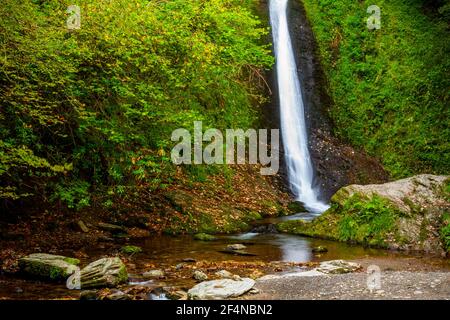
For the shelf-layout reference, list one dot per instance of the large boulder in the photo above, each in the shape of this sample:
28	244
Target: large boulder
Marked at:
338	267
106	272
48	266
220	289
409	214
408	195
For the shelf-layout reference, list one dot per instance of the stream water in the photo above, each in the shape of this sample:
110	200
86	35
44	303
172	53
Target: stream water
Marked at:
165	252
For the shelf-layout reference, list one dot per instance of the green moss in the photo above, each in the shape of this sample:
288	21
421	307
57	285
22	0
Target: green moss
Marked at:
445	231
358	220
73	261
253	216
122	275
414	209
53	270
446	189
366	222
131	249
207	224
56	273
423	235
296	207
204	237
324	227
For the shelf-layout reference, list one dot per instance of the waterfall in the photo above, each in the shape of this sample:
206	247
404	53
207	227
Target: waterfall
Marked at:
292	115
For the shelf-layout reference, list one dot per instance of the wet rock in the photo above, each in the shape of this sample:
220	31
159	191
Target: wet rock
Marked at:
204	237
224	274
199	275
52	267
172	294
153	274
180	266
105	239
319	249
220	289
412	210
238	252
106	272
235	247
338	267
254	291
88	295
296	207
118	295
158	294
111	228
265	228
136	222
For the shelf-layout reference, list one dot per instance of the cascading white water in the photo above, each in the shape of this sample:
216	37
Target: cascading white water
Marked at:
292	114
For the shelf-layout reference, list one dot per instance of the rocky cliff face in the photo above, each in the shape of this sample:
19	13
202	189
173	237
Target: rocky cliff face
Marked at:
409	214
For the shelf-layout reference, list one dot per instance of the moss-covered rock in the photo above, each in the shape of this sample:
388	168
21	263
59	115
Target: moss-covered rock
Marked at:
131	249
48	266
296	207
204	237
408	214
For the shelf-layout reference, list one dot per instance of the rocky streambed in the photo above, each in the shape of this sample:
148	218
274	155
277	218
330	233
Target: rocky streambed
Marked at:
168	267
264	263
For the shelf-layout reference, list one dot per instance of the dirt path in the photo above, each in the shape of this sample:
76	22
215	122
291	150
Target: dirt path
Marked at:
394	285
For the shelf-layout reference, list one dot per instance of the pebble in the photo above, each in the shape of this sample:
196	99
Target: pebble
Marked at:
224	274
235	247
199	276
153	274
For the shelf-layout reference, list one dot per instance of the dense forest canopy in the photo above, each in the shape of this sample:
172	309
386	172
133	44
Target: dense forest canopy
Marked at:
96	106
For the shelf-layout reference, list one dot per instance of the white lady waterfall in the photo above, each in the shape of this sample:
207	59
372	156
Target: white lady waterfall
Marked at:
292	115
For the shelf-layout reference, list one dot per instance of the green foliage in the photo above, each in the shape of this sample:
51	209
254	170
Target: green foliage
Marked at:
74	195
358	220
131	249
446	189
445	231
390	86
366	221
204	237
99	104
